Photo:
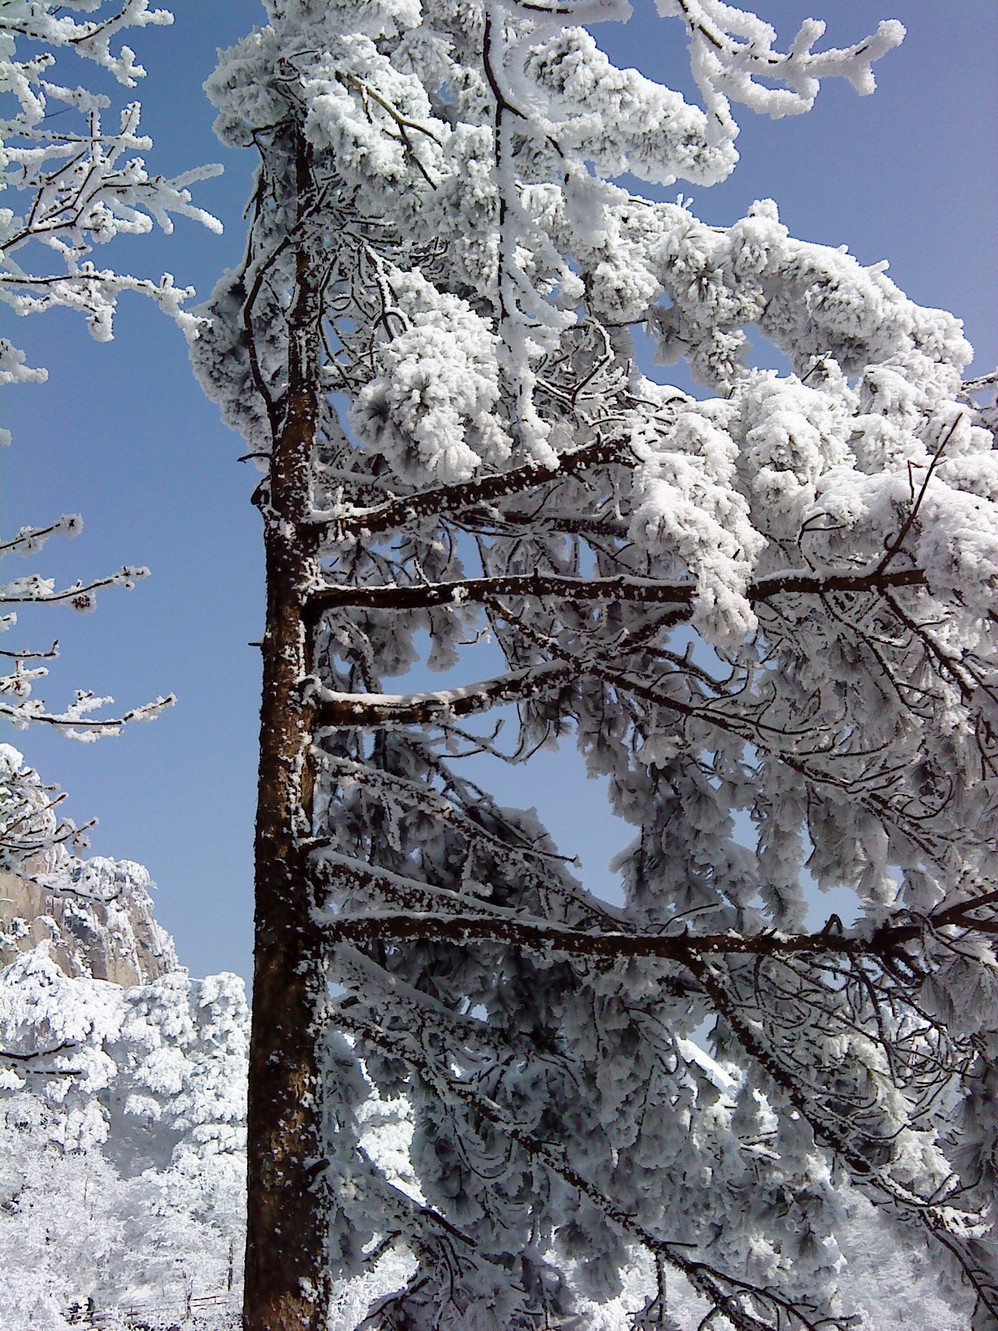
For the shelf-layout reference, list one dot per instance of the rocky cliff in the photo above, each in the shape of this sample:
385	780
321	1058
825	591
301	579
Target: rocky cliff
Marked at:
95	915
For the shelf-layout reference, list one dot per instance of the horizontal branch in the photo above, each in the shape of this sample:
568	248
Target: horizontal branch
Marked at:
49	655
806	584
371	711
480	591
34	591
14	1057
30	539
404	909
77	724
642	591
443	499
364	710
550	938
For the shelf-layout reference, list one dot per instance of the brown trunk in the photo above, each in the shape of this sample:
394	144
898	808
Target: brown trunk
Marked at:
285	1235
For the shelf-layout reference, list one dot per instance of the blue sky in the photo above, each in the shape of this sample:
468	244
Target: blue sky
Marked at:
122	434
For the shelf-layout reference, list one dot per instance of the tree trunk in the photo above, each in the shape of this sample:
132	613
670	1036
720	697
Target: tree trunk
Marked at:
285	1236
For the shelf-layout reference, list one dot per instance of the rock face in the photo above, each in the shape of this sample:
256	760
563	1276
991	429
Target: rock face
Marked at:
96	916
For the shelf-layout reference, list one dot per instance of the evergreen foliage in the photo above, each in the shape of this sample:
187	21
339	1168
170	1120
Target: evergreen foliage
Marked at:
763	611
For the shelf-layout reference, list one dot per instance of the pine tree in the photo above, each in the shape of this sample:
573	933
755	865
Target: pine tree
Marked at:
764	612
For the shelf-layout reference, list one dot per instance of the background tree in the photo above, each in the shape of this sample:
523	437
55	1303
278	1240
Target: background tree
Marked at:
83	187
764	610
122	1112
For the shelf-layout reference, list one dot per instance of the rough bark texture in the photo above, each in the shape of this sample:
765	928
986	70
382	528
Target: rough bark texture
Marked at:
285	1242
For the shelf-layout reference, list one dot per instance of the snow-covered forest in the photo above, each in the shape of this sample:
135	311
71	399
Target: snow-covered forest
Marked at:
511	426
122	1114
122	1110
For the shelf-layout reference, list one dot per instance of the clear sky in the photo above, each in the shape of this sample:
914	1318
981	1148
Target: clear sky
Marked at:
122	434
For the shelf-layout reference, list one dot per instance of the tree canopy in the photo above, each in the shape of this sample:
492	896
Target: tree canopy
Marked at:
763	610
759	602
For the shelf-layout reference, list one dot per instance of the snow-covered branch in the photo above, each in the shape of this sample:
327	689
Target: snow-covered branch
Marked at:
640	591
83	185
764	615
450	499
437	923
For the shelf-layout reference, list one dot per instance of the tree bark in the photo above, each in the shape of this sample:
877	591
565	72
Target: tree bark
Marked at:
286	1240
